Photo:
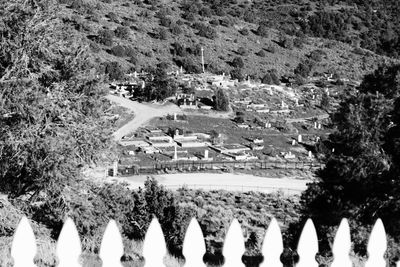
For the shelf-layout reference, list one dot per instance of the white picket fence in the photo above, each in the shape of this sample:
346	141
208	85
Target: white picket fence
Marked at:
68	249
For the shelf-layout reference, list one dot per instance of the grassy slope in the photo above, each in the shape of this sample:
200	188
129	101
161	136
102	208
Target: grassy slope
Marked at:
222	50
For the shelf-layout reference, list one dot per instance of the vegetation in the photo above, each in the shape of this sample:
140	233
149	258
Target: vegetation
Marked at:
221	100
361	156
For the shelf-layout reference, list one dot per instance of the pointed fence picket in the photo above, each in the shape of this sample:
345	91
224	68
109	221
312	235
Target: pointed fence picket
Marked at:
24	248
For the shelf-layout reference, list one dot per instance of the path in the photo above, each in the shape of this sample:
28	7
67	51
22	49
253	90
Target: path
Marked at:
143	113
222	181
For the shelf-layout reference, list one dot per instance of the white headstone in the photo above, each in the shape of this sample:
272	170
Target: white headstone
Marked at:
293	142
310	154
143	85
319	126
315	125
206	154
300	138
174	116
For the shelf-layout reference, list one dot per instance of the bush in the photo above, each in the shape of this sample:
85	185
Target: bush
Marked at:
207	32
242	51
237	74
244	32
214	22
267	79
105	37
189	65
114	70
179	50
263	31
113	17
162	34
165	21
226	21
317	55
304	69
221	101
205	12
261	53
298	42
130	51
175	29
271	49
188	16
122	32
238	62
118	51
286	42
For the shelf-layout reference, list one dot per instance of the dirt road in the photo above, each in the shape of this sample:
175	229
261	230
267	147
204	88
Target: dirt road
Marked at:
223	181
143	112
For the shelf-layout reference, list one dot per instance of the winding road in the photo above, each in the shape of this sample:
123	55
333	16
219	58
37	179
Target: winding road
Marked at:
143	112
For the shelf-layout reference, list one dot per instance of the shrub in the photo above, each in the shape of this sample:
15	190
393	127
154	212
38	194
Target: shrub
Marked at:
261	53
118	51
238	62
207	32
267	79
221	100
244	31
165	21
161	34
285	42
271	49
298	42
122	32
242	51
226	21
105	37
237	74
94	47
114	70
188	16
214	22
175	29
205	12
189	65
113	17
263	31
130	51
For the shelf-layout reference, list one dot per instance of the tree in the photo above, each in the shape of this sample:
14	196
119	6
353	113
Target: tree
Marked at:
325	103
221	100
53	107
162	86
360	178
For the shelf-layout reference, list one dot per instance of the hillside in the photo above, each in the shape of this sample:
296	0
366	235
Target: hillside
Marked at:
138	35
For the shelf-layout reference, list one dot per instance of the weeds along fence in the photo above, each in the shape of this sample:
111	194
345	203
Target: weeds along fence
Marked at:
237	188
216	165
68	250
